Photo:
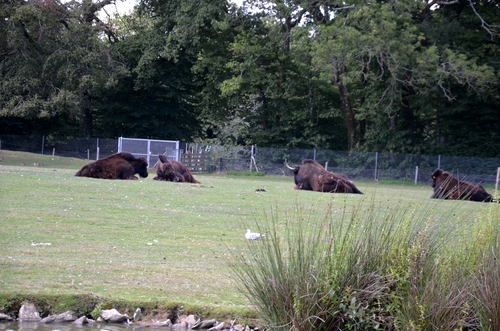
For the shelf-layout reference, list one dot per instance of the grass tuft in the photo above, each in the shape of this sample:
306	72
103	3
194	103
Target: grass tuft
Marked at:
373	266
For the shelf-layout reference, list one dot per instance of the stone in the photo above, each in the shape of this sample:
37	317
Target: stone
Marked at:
48	319
168	322
137	315
204	324
28	313
217	327
191	320
69	316
4	317
81	321
113	316
66	317
182	325
238	327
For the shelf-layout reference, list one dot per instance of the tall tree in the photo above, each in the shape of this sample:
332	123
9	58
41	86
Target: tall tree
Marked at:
275	86
382	54
53	64
172	50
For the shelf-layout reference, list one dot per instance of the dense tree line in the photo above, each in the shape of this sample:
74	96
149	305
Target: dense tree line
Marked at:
400	76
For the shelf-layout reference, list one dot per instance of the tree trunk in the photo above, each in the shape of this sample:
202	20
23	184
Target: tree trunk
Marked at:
350	121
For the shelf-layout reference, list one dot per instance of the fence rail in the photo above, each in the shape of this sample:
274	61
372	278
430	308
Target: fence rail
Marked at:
196	162
214	158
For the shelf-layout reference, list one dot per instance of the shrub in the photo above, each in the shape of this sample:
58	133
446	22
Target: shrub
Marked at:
375	267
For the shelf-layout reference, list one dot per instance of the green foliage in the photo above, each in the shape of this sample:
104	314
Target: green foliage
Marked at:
394	76
53	65
97	311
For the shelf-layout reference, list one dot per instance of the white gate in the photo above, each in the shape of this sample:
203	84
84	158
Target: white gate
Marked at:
150	148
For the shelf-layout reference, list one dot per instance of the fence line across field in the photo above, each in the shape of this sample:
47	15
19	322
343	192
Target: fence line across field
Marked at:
216	158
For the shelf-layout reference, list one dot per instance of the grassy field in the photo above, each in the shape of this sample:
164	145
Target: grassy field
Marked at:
146	240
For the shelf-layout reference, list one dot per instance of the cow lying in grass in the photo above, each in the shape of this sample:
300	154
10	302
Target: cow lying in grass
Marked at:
312	176
117	166
448	187
172	171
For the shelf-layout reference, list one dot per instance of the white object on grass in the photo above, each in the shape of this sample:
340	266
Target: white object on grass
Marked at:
253	235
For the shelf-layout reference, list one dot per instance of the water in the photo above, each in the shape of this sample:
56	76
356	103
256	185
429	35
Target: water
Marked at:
35	326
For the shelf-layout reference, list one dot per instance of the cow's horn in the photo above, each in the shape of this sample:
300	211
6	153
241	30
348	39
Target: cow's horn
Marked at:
289	166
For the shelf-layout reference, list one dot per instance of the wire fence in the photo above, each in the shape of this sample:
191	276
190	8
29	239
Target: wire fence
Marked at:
356	165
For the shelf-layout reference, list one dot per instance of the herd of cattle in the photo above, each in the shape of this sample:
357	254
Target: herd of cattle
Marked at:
310	175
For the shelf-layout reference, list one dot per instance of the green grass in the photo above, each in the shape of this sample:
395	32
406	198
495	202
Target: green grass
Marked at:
151	241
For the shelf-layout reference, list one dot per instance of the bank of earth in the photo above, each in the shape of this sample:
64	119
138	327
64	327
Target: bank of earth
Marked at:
91	305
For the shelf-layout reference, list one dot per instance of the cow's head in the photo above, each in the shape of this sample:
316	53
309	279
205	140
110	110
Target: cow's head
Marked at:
435	175
169	172
302	176
141	167
166	169
294	169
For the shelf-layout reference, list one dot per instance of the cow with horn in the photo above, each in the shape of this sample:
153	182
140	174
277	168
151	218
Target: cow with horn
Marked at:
313	177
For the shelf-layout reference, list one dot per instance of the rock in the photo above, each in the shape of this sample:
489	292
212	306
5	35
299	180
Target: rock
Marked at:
165	323
238	327
182	325
186	321
28	313
191	320
66	317
217	327
4	317
48	319
137	315
204	324
113	316
82	320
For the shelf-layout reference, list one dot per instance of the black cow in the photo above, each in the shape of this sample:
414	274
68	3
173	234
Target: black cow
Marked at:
313	177
121	165
448	187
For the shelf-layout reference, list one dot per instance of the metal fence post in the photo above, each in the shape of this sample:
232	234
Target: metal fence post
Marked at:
439	161
43	143
315	154
149	151
498	178
376	165
416	175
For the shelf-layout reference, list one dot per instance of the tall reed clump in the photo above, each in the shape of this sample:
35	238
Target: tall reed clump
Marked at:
485	275
373	266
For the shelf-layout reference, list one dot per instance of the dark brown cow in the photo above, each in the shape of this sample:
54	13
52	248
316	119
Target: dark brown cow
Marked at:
313	177
117	166
165	170
172	171
448	187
